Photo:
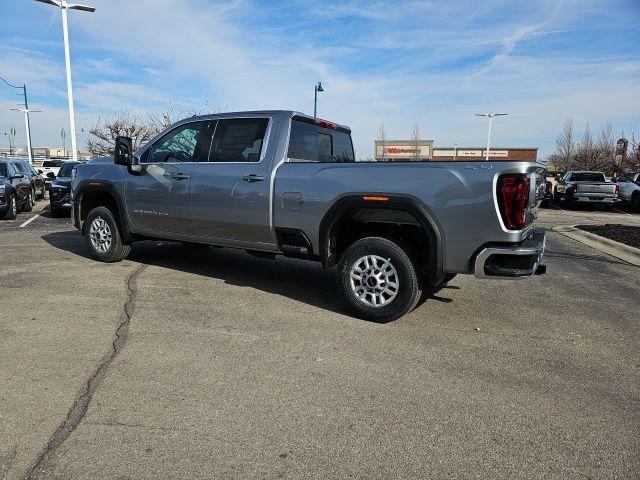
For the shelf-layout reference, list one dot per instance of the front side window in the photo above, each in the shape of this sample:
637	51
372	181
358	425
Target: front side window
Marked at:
23	168
179	145
313	143
238	140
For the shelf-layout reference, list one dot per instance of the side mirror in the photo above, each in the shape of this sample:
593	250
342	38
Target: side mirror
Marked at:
123	154
51	175
40	172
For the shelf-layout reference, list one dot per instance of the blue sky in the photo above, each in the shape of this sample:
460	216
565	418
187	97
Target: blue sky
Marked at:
395	63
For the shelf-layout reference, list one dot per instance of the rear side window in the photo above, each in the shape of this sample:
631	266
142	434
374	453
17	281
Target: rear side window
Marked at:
3	169
313	143
238	140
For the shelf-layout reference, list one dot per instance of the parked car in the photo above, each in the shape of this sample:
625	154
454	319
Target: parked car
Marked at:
15	190
586	187
545	190
38	185
283	183
50	169
630	190
60	193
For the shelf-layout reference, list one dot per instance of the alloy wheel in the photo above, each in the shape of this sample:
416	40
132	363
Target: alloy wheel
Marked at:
374	280
100	234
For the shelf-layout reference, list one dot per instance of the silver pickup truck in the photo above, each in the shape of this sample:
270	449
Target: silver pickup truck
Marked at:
283	183
586	187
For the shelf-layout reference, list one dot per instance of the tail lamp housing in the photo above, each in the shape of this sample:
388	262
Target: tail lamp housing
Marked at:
513	199
617	189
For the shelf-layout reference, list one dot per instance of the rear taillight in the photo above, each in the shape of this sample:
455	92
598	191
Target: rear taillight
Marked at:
617	189
549	187
513	198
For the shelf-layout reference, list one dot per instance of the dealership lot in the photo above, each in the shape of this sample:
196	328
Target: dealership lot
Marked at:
228	365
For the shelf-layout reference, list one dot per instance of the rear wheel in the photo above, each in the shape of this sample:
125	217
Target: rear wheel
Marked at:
30	202
635	203
103	236
378	279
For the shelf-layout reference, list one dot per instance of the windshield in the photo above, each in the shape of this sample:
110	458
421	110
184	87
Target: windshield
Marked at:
3	169
65	170
587	177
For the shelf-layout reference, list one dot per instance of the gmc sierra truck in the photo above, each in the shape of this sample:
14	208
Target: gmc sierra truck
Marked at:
586	187
283	183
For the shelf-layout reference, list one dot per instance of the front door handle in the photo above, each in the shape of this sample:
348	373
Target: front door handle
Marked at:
179	176
253	178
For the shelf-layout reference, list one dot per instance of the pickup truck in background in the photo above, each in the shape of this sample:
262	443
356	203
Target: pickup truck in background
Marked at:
283	183
586	187
629	185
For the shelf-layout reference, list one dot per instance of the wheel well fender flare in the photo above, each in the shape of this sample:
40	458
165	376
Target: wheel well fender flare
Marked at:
88	187
349	202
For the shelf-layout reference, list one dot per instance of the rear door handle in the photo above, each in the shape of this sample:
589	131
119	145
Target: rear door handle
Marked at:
253	178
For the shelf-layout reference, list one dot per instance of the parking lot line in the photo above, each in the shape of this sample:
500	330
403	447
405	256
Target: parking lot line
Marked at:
24	224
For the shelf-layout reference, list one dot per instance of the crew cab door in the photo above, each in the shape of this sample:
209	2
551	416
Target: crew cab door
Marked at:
158	198
230	192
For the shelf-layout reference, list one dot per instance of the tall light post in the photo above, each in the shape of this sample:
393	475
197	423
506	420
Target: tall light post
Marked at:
26	112
490	115
317	88
64	6
63	135
26	105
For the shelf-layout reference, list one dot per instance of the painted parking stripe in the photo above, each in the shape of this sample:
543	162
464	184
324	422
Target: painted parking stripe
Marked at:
24	224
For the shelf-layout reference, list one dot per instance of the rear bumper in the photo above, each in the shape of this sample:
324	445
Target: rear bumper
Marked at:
518	260
594	198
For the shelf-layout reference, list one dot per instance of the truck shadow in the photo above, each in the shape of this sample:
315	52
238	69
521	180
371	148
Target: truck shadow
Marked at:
299	280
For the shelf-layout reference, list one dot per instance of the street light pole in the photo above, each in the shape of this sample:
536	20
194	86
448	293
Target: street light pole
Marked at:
317	88
64	6
26	105
490	115
26	112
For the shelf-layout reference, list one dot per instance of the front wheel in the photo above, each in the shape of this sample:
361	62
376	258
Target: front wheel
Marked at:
102	236
12	213
378	279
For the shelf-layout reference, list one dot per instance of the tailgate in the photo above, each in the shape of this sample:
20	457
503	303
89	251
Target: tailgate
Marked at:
598	188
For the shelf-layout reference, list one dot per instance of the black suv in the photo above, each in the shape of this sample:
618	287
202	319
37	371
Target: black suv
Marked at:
15	190
59	193
38	186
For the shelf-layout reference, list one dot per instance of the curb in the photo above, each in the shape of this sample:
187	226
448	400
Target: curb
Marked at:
610	247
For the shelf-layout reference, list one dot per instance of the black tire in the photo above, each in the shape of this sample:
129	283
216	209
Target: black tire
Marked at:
408	279
12	213
54	211
635	203
607	208
28	204
116	249
544	204
556	196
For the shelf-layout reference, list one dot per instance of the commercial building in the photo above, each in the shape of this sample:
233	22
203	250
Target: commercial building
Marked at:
424	150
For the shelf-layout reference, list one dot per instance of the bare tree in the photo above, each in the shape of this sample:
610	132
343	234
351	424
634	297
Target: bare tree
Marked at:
141	128
565	146
382	137
415	143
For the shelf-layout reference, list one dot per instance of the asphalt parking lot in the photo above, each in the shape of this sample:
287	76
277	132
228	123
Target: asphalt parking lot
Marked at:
181	363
